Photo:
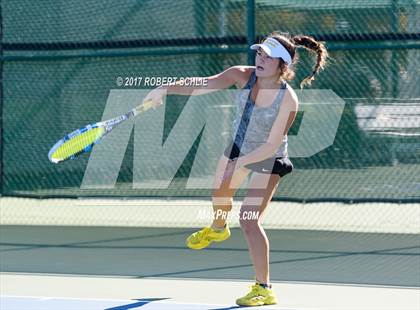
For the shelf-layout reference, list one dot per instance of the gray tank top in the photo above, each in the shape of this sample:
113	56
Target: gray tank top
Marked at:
252	124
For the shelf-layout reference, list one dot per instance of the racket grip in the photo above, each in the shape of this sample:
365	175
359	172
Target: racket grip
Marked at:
143	107
148	104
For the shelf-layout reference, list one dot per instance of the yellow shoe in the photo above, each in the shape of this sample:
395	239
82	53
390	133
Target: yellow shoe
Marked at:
207	235
258	296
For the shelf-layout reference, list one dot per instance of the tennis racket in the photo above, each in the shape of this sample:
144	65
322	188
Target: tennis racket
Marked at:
83	139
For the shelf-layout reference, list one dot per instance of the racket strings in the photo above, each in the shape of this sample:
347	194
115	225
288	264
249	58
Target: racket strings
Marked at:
77	144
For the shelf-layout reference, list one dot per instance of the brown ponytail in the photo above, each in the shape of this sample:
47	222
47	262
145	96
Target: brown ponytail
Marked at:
314	46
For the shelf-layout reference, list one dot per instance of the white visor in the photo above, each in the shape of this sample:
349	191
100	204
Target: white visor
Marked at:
275	49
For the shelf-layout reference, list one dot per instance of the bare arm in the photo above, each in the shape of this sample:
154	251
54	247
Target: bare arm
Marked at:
231	76
213	83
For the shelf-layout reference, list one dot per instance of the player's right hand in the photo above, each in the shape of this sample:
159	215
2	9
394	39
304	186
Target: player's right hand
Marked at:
155	97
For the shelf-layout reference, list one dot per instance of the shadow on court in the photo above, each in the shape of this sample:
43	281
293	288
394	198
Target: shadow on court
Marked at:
138	303
313	256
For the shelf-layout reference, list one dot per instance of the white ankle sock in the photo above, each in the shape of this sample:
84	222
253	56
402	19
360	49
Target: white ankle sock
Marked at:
218	229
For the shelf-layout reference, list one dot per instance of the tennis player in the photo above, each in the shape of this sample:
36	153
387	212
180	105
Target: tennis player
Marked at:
258	147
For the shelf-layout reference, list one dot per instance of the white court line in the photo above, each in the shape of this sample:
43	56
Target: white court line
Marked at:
208	279
106	299
301	296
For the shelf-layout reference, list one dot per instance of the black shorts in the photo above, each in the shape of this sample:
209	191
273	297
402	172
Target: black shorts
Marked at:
272	165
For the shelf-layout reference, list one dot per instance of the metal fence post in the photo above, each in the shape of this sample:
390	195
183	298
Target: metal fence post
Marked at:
250	29
1	100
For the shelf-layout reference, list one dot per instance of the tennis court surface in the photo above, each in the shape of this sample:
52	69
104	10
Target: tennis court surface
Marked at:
59	267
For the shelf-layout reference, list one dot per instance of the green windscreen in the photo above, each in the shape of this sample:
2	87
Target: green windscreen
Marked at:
62	58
